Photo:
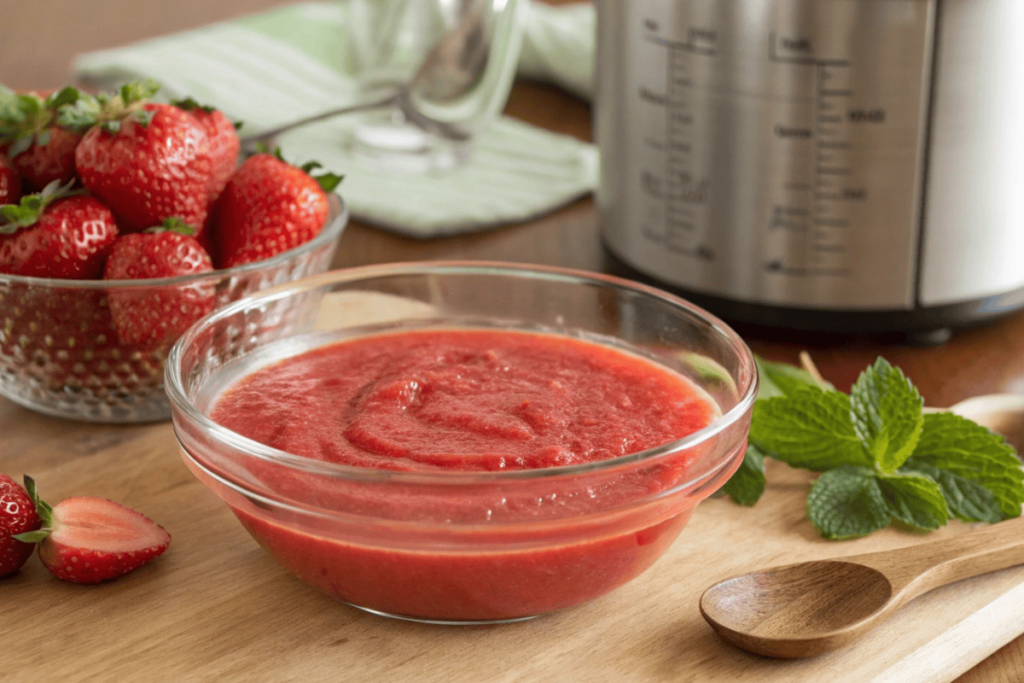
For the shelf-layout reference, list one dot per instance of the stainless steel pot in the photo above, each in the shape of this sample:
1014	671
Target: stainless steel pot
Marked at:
837	165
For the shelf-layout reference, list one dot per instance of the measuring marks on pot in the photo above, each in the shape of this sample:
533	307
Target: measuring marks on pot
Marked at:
679	218
808	230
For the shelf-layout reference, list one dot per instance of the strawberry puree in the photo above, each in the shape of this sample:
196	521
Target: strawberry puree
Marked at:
464	401
477	401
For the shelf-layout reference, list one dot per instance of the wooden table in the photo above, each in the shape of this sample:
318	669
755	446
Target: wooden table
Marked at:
60	454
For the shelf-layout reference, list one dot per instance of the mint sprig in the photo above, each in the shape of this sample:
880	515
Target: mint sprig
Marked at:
881	457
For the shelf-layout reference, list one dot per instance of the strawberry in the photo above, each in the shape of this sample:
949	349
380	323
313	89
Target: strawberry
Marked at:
224	143
17	516
150	317
10	182
146	161
57	234
40	144
269	206
90	540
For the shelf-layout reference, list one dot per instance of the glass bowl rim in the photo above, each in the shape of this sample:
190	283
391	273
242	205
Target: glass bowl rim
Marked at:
250	448
337	219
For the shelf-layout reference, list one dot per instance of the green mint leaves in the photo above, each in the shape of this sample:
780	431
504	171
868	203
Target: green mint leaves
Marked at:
747	485
886	412
881	457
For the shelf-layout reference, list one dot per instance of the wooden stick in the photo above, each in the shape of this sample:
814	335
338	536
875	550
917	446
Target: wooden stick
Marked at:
807	364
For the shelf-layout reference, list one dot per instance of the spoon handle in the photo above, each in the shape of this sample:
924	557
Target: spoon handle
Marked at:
250	140
921	568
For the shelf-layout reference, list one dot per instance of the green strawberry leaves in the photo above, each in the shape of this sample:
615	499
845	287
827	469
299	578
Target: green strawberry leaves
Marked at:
14	217
327	180
27	119
43	509
881	457
172	224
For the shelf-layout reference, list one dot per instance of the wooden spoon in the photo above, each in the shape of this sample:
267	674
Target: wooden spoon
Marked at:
809	608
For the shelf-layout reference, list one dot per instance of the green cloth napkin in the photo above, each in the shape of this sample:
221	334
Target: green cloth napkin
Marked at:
285	64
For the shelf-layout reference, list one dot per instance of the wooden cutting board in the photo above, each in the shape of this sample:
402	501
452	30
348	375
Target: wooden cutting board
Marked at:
215	607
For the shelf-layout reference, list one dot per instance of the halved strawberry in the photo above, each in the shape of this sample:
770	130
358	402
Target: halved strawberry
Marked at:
17	516
89	540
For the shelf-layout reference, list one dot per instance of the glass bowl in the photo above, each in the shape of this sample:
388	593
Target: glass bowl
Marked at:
447	546
60	351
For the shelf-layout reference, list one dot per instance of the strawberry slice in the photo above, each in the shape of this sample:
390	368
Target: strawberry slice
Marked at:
89	540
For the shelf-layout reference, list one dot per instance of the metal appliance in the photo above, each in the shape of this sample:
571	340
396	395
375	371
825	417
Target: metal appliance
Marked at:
850	166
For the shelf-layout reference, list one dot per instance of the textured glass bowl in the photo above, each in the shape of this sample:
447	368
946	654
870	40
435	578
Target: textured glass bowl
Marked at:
451	546
60	353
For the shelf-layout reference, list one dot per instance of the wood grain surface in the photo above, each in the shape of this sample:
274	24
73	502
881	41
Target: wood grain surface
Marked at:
215	607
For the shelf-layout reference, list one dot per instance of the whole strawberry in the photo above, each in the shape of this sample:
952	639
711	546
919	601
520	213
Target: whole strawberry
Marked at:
17	516
56	234
10	182
269	206
90	540
38	139
148	317
224	142
148	162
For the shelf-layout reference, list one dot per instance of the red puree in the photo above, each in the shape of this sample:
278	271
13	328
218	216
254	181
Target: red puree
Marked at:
478	401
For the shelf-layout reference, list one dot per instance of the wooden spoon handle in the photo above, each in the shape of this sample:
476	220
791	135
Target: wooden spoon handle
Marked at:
921	568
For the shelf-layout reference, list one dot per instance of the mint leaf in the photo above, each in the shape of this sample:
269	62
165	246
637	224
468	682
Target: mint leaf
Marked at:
747	485
886	413
783	379
973	452
915	499
810	429
968	500
847	502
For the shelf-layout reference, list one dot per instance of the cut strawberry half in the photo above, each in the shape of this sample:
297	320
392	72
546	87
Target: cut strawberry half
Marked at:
89	540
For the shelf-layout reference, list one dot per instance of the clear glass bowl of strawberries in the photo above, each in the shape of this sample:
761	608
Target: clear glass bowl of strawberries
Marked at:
122	222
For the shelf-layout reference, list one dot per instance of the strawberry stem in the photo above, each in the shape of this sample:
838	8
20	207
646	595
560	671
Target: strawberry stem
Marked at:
14	217
109	111
28	118
172	224
44	510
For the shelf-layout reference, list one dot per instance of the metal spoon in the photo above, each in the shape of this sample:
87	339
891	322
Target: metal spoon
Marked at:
452	68
809	608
